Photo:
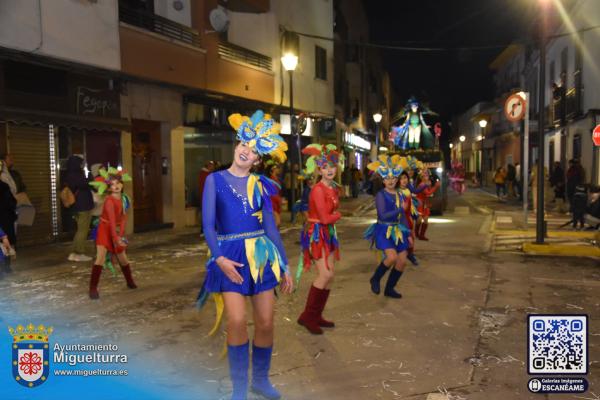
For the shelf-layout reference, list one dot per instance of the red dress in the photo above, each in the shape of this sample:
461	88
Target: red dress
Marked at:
112	225
276	198
320	238
424	200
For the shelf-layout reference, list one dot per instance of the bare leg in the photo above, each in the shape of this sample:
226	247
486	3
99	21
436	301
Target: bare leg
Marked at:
235	310
325	275
263	308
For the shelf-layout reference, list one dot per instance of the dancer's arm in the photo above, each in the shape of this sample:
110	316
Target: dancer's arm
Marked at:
209	200
380	204
320	201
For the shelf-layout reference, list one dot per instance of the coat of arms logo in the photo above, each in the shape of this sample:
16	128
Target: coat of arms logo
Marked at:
30	354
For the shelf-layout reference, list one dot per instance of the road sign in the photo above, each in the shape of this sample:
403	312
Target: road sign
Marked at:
514	108
596	135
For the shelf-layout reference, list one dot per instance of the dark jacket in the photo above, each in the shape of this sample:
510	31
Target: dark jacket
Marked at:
76	181
8	213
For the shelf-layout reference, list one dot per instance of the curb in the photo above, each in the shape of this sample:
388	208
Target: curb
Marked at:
560	250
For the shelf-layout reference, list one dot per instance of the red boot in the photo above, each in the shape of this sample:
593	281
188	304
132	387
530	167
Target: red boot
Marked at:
423	230
322	300
310	317
96	271
126	269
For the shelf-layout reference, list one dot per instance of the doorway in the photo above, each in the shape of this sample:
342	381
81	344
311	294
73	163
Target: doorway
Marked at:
147	191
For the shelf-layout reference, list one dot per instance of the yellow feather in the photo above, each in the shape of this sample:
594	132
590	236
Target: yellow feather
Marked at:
235	120
250	250
374	165
276	268
389	232
220	306
250	189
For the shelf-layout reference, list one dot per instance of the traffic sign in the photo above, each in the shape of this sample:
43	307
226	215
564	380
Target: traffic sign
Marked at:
596	135
514	108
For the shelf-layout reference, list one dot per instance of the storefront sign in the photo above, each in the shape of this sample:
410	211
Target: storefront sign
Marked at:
357	141
96	102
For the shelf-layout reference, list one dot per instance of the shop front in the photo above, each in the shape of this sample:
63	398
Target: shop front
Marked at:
357	149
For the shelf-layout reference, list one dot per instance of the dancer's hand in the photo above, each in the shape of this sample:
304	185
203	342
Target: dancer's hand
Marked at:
287	283
229	269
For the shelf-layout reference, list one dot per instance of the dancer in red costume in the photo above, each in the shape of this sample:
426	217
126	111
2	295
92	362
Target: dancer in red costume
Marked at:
110	240
424	197
319	240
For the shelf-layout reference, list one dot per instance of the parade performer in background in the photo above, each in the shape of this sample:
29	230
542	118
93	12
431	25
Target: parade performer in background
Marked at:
424	196
412	165
272	171
320	242
457	177
301	205
110	237
391	233
414	132
247	258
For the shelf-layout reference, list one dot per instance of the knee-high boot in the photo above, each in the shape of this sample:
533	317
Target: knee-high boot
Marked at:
238	370
261	363
323	295
126	269
95	278
310	316
376	278
391	283
423	230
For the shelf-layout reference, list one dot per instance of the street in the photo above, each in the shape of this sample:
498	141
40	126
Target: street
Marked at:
459	332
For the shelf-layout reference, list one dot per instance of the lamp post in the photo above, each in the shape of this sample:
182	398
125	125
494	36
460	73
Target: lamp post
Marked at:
377	118
539	225
483	123
290	62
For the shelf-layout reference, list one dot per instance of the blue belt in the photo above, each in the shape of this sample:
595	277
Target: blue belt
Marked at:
238	236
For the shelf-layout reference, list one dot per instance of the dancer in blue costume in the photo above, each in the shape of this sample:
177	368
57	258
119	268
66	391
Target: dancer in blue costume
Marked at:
391	233
247	254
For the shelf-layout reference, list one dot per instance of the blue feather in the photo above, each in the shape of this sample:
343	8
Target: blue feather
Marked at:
257	117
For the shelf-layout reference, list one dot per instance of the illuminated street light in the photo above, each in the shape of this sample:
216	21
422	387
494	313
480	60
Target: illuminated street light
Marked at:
462	138
377	118
290	62
451	145
483	123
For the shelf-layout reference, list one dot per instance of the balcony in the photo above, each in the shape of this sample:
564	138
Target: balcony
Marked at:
159	25
565	107
232	52
248	6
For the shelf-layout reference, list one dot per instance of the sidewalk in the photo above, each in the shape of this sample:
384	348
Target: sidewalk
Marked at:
512	233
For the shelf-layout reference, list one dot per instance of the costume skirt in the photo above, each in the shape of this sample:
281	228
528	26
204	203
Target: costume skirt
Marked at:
318	241
104	238
388	236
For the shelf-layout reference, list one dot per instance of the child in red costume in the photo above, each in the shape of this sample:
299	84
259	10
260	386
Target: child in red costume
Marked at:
110	239
319	240
424	208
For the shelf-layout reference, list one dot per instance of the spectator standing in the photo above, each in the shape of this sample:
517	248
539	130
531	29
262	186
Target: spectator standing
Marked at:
511	175
575	177
500	181
78	183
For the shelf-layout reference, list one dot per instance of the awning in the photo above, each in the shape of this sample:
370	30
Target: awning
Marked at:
22	116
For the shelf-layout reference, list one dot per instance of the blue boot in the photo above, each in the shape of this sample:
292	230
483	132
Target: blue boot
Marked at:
261	363
413	259
238	370
376	278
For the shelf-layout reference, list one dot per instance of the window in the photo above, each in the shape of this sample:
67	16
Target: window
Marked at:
320	63
577	146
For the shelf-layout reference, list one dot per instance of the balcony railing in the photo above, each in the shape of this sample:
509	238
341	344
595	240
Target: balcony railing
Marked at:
157	24
566	107
232	52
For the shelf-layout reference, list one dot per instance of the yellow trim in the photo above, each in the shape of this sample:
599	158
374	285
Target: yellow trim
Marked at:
561	250
557	234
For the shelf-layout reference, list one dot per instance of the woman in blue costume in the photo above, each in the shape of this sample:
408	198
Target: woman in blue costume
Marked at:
390	234
247	254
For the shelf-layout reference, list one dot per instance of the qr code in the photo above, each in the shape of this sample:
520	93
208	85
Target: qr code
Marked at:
557	344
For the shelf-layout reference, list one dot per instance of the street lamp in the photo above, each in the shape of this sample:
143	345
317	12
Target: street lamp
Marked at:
482	124
290	62
462	138
377	118
451	145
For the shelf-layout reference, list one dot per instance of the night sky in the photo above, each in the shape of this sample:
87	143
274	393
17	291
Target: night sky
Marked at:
451	81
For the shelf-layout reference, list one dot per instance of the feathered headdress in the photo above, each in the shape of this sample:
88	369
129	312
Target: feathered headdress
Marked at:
387	167
322	155
261	133
102	181
414	163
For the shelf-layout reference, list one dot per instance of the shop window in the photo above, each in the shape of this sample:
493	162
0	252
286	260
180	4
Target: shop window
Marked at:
577	146
320	63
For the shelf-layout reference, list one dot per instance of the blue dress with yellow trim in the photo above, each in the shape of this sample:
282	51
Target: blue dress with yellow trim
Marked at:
238	223
391	229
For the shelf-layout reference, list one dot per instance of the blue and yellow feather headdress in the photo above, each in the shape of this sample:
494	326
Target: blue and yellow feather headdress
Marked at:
261	133
387	167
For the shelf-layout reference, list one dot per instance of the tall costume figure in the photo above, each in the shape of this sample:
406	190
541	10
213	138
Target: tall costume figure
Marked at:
391	233
110	237
247	258
411	165
414	132
319	240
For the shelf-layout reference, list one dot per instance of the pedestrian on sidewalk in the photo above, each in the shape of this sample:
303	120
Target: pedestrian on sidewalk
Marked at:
390	234
428	188
77	181
319	240
500	181
110	238
355	182
511	175
247	255
5	254
575	177
8	212
557	182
